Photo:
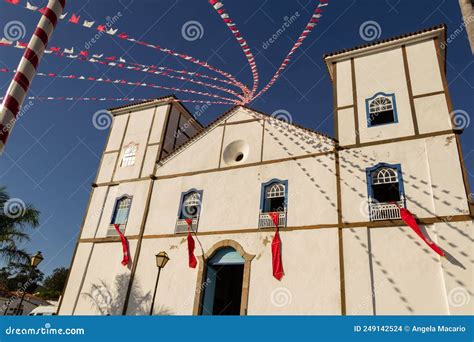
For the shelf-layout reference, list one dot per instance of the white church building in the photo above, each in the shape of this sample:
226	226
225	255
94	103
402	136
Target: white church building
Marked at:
345	250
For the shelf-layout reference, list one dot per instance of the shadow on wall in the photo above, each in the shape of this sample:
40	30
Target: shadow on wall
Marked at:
108	300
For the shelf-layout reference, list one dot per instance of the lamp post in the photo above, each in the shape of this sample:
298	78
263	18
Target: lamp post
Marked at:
161	260
34	261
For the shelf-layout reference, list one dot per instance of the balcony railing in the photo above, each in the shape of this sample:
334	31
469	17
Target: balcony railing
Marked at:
265	220
182	225
385	211
112	232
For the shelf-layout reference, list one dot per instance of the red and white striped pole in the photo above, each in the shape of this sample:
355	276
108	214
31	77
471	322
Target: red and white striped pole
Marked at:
26	69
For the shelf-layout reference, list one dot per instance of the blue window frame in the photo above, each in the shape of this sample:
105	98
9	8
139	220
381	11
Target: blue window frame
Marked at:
274	196
381	109
190	204
385	183
121	210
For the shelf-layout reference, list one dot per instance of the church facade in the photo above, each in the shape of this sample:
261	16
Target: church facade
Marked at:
345	249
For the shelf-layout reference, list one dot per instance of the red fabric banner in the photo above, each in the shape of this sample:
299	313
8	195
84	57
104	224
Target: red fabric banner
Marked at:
409	219
277	264
124	245
191	245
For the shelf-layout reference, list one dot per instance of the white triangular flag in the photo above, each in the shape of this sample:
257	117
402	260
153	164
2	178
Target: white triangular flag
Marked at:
69	50
62	16
97	56
5	41
30	6
112	31
88	23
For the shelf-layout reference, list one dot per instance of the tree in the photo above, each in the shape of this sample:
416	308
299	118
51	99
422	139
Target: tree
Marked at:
20	277
15	218
53	285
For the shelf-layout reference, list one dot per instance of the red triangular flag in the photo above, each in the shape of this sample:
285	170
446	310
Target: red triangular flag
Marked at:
14	2
408	218
74	18
84	53
101	28
124	245
277	265
191	245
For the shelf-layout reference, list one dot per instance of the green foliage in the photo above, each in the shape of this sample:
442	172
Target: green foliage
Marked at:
13	229
54	284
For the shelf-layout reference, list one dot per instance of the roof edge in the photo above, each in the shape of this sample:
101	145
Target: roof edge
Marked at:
396	41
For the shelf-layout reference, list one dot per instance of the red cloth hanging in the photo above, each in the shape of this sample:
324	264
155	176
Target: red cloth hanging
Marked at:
409	219
277	264
124	245
191	245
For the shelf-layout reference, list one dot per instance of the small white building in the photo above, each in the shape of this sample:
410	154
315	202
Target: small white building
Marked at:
345	249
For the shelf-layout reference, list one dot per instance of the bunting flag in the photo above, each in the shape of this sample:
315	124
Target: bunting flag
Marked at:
317	14
26	69
191	245
75	20
124	241
219	7
118	99
136	84
277	264
410	220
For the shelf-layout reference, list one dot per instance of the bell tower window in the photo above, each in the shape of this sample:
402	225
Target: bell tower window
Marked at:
381	109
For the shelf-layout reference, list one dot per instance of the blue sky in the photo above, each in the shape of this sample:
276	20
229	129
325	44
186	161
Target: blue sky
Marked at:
54	151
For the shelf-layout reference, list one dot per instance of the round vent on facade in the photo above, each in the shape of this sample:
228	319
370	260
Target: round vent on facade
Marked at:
236	152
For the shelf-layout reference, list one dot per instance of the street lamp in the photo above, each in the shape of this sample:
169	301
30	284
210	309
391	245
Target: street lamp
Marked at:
35	260
161	260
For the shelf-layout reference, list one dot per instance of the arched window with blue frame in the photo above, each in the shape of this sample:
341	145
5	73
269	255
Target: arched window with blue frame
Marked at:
381	109
385	183
121	212
274	196
190	204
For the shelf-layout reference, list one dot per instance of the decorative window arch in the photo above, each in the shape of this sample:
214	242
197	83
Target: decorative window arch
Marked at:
381	109
120	213
190	204
385	182
129	154
274	196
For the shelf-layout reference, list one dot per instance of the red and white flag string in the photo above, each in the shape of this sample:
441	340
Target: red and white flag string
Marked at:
244	98
106	28
118	99
309	27
121	63
125	82
219	7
